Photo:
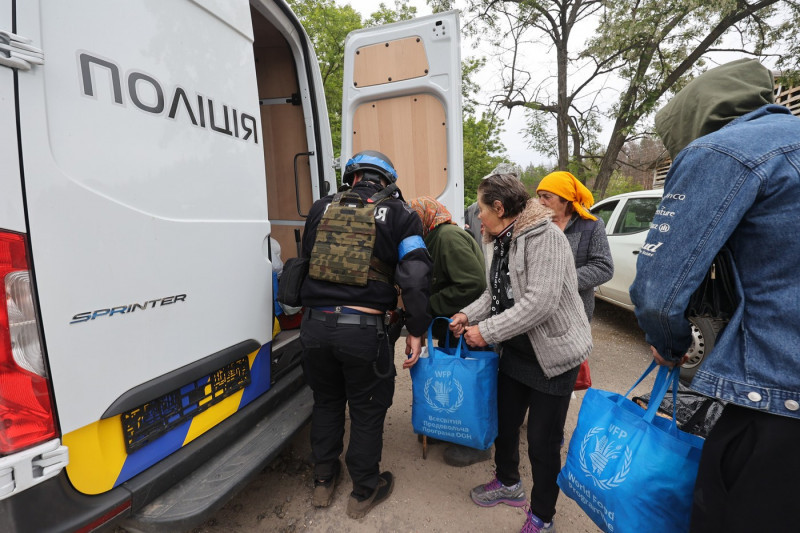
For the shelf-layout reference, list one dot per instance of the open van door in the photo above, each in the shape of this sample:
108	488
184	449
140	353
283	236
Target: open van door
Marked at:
402	97
12	217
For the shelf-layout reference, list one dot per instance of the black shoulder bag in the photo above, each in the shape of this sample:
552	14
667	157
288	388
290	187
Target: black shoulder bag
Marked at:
294	273
716	296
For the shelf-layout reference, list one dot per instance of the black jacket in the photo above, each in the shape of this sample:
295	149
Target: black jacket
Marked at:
394	222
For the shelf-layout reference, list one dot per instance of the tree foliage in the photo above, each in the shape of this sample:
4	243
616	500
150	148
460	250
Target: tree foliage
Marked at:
619	183
564	115
483	151
638	159
659	45
327	25
640	52
483	148
532	175
385	15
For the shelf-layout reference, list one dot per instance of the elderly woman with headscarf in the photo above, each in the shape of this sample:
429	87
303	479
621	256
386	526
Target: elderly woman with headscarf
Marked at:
570	199
458	272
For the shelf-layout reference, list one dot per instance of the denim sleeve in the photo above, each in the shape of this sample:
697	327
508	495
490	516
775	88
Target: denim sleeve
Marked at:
707	193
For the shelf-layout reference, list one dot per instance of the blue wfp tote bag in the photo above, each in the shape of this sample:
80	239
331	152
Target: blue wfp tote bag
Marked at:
455	394
628	469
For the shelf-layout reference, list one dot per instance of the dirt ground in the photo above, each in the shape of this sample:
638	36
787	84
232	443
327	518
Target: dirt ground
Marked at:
429	496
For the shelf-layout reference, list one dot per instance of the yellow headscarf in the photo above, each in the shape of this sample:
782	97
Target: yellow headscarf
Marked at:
569	188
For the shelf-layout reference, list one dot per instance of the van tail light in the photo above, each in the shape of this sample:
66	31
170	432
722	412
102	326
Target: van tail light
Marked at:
26	411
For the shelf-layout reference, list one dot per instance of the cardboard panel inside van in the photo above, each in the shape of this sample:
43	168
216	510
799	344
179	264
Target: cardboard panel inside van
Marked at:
390	62
412	131
283	132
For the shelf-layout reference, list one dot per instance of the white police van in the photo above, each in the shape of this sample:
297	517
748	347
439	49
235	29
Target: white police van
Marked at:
148	150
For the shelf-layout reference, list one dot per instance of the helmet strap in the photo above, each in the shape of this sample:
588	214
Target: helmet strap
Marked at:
375	177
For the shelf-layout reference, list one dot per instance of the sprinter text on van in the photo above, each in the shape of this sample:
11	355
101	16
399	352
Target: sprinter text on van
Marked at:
130	308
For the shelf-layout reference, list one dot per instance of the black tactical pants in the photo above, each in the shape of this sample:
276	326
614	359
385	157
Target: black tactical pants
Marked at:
339	363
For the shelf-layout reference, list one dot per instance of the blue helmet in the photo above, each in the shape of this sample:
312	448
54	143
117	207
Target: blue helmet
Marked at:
370	160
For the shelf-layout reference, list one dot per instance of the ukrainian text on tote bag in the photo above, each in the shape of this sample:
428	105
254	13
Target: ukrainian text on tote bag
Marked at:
455	394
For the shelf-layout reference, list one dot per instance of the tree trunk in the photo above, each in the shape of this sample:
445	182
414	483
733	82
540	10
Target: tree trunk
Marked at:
562	115
609	162
577	150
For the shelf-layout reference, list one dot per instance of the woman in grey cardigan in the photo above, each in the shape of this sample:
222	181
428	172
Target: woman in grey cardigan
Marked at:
532	310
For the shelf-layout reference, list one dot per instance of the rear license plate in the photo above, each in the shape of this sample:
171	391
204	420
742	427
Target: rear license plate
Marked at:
155	418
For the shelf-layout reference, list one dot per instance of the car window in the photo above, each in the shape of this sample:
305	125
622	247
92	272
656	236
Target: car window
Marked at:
637	213
604	211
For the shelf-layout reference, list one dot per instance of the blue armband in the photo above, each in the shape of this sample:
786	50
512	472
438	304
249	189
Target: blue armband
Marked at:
409	244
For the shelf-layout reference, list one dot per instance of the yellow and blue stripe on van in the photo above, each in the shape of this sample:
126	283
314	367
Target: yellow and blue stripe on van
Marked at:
98	461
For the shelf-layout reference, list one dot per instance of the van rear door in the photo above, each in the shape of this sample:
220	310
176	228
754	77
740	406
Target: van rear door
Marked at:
402	97
144	177
12	217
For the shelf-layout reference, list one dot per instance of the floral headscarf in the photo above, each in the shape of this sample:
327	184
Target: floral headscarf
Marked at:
432	212
569	188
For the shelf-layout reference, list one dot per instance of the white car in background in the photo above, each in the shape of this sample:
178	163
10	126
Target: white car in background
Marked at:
627	218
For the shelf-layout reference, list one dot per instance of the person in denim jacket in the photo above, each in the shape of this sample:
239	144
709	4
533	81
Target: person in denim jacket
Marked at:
735	180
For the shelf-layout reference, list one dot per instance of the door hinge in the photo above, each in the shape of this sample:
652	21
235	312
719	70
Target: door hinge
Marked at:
16	52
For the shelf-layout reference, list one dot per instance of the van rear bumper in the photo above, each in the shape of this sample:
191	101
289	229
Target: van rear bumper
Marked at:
185	488
208	488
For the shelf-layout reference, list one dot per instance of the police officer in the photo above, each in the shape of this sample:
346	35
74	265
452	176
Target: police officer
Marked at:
347	354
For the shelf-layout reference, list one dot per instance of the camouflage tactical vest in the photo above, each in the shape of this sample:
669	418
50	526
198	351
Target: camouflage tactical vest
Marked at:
345	241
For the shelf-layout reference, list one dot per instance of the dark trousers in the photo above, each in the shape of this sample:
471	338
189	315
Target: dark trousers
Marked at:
748	475
546	420
339	366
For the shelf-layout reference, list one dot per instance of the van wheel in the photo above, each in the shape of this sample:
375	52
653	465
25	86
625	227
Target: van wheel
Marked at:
705	331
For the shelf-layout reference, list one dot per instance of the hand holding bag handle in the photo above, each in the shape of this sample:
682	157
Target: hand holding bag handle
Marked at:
671	380
447	341
665	378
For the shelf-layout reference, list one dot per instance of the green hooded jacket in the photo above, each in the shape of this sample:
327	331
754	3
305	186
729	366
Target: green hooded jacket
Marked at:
712	100
458	269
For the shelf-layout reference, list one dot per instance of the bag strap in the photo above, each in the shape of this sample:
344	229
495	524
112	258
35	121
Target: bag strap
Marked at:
641	378
676	374
447	342
383	194
695	422
718	294
665	378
